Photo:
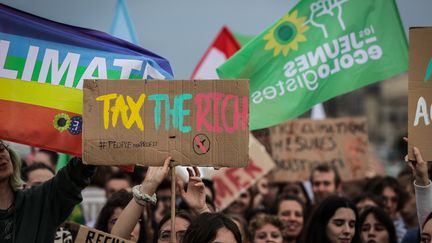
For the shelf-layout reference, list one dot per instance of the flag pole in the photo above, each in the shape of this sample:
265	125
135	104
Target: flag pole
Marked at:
173	202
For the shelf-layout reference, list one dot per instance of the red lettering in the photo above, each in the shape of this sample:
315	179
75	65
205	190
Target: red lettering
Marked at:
222	190
208	107
235	116
252	168
202	111
216	99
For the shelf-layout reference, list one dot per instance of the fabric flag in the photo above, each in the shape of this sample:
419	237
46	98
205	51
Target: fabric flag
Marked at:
318	50
42	67
224	46
122	26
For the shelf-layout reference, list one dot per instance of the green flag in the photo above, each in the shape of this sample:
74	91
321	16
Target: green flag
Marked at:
319	50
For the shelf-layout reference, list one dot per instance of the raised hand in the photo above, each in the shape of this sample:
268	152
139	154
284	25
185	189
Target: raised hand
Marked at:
419	167
154	177
195	195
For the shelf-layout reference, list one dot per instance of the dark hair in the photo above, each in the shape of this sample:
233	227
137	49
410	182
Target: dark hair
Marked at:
287	197
379	186
53	156
120	176
317	223
118	199
426	220
164	185
205	227
209	184
326	168
383	218
368	195
183	206
35	166
179	214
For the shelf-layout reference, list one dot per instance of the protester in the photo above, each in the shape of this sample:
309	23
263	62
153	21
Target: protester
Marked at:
33	215
144	194
334	220
290	211
266	228
394	197
163	204
47	157
423	191
241	204
112	210
325	180
212	227
116	182
366	200
242	225
182	222
376	226
36	174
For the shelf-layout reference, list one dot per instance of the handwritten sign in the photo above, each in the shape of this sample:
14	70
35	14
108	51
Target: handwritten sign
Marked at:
299	145
197	122
420	92
88	235
231	182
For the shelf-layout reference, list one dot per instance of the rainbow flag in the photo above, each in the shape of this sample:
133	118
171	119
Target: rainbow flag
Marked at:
42	68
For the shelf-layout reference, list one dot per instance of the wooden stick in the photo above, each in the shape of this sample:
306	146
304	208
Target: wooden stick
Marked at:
173	203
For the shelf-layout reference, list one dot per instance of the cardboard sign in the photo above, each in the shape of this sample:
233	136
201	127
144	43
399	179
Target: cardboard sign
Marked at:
197	122
231	182
420	92
88	235
299	145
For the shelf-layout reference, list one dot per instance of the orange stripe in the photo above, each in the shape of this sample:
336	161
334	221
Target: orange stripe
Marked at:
34	125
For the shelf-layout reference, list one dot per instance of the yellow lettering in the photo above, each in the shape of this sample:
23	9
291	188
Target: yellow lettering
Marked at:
107	102
119	107
135	108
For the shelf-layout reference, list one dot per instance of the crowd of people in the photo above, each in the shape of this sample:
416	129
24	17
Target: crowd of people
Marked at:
36	201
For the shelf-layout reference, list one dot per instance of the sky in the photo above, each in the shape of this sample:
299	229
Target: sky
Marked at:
181	31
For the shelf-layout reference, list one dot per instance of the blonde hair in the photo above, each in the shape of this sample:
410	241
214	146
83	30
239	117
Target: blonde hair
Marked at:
15	180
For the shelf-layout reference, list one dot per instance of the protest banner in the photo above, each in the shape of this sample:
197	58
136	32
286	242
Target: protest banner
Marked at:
299	145
229	183
199	122
89	235
42	67
320	49
420	92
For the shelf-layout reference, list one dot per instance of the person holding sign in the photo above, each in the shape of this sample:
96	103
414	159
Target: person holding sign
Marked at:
33	215
144	194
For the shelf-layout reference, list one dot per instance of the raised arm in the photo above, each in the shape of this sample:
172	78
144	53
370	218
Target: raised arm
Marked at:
131	214
195	195
422	185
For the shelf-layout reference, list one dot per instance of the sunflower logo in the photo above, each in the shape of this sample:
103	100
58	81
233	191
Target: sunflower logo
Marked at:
286	34
61	122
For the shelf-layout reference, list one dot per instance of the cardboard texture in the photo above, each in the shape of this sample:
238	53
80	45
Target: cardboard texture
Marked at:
420	92
205	122
231	182
88	235
299	145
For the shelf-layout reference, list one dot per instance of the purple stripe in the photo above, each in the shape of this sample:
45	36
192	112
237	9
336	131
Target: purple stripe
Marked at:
17	22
